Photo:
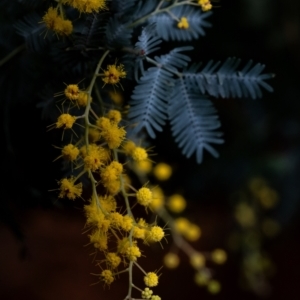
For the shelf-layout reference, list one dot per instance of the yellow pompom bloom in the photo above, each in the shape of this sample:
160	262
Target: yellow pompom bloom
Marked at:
113	74
128	147
87	6
94	158
116	219
151	279
66	121
176	203
63	27
171	260
144	166
219	256
56	23
111	172
70	152
94	135
197	260
50	17
133	252
72	91
107	276
139	230
113	259
162	171
205	5
110	132
69	189
114	116
183	23
181	225
139	233
127	223
193	233
82	99
139	154
144	196
147	293
154	234
99	239
158	199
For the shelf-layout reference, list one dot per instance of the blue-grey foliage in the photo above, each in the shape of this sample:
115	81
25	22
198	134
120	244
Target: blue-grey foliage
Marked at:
117	34
169	88
147	43
148	104
224	80
33	31
167	26
193	121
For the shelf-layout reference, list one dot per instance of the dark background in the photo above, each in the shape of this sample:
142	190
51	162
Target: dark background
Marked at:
42	253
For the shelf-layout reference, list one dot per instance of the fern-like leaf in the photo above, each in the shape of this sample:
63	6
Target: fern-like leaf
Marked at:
146	44
226	81
193	121
117	34
148	105
167	25
31	29
121	6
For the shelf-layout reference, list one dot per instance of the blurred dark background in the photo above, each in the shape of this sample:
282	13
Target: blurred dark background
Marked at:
42	253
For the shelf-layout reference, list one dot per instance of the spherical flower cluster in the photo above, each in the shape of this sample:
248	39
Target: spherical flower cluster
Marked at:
66	121
113	259
162	171
176	203
73	93
70	152
147	293
158	199
171	260
87	6
110	132
110	177
190	231
69	189
113	74
154	234
133	252
139	154
107	276
56	23
94	157
183	23
219	256
99	239
205	5
114	116
151	279
197	260
144	196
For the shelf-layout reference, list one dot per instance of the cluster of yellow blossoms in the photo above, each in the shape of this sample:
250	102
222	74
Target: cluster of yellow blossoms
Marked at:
183	22
115	233
56	21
